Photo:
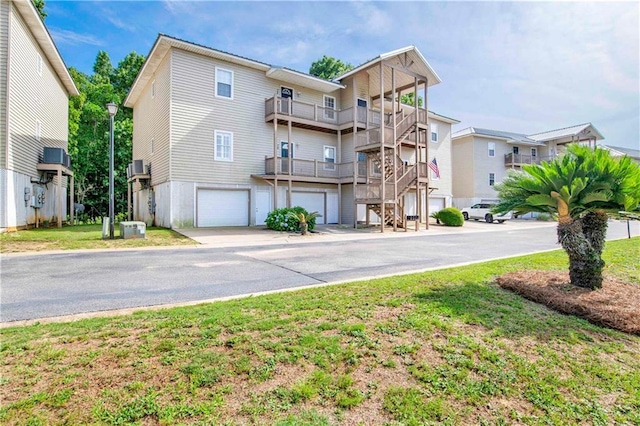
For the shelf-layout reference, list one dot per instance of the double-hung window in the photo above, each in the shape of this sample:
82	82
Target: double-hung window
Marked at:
492	149
329	157
223	150
492	179
434	132
224	83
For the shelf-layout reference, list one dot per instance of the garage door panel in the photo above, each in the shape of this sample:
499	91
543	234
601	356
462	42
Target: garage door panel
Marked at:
311	202
216	207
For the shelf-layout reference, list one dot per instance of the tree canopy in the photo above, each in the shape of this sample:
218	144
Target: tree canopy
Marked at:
89	131
329	67
408	99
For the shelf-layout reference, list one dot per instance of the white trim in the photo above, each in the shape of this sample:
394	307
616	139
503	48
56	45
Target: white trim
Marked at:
216	157
216	83
432	127
494	178
490	148
39	64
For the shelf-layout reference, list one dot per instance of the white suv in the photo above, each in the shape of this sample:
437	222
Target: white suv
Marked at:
482	211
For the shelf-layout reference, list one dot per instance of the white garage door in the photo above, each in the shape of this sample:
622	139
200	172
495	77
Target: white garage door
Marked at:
436	204
311	201
217	207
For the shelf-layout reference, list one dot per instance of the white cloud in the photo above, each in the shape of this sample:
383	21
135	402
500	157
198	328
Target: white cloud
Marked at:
70	37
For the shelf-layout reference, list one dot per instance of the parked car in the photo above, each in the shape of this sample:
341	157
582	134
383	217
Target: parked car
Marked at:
482	211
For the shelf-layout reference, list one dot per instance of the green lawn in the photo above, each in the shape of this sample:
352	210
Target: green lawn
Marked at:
444	347
83	237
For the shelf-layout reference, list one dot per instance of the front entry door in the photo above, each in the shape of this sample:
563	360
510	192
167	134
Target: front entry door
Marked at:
286	93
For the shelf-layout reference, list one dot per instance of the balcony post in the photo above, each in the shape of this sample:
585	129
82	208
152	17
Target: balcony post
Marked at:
275	150
315	168
382	162
315	112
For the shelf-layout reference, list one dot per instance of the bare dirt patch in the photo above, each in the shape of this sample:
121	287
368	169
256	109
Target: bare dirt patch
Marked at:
616	305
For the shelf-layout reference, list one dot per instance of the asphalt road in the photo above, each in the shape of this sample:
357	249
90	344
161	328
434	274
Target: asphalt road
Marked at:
50	285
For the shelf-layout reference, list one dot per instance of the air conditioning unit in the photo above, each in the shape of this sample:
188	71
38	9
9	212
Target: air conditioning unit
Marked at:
130	170
53	155
133	230
138	167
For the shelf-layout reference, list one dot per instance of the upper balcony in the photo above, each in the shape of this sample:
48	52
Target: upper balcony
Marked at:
302	170
316	117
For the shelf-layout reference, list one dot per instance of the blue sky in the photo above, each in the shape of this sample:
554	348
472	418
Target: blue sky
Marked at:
521	67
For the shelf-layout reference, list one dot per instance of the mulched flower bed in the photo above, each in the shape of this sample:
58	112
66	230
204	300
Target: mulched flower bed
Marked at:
615	305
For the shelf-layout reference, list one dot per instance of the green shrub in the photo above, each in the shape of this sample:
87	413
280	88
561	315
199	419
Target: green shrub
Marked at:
280	220
545	217
449	217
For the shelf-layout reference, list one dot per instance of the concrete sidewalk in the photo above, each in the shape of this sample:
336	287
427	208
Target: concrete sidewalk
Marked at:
261	236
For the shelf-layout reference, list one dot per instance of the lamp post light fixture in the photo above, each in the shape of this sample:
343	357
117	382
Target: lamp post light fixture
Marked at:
113	109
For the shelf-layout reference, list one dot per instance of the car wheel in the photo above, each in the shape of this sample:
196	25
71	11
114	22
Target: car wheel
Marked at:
489	218
501	221
465	215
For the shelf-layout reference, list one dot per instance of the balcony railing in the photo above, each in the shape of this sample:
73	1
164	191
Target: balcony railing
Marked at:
312	168
319	114
519	159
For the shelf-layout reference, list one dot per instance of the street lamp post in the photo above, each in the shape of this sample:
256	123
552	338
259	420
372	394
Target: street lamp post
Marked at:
113	109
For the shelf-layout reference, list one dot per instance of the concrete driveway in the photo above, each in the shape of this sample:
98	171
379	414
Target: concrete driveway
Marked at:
261	236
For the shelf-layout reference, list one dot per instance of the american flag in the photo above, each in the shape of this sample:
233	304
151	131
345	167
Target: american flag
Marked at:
433	165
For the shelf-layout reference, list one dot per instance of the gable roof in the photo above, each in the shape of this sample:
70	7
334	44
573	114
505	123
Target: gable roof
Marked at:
586	130
39	31
508	137
165	42
619	150
418	64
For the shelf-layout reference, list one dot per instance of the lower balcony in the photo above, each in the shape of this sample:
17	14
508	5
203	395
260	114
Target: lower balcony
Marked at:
516	160
299	170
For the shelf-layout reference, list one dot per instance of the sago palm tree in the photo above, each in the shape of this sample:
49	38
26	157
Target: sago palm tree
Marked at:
582	187
303	219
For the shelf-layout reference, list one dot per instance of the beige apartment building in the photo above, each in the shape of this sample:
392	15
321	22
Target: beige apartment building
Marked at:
34	102
482	157
222	140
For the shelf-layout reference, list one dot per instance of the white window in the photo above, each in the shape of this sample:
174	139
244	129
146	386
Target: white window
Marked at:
516	150
329	107
534	152
492	149
329	157
152	143
434	132
153	89
37	130
39	64
492	179
224	83
224	146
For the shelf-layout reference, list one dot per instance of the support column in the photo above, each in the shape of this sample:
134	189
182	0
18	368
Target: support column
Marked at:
417	151
275	151
73	202
426	150
355	153
395	149
339	161
290	152
128	200
382	162
60	197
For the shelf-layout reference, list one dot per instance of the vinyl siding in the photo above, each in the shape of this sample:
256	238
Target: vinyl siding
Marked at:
362	89
151	121
33	97
463	166
442	152
483	165
4	54
196	113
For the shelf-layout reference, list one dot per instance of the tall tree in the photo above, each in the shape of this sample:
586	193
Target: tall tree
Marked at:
329	68
39	5
581	187
89	131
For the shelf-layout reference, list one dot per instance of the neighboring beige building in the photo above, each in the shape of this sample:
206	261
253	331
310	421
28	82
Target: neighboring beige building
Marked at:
222	140
619	151
34	103
482	157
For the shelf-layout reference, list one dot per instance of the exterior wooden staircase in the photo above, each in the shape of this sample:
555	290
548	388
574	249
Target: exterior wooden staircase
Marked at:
394	173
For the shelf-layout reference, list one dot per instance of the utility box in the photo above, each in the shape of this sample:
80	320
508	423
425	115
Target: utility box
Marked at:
133	230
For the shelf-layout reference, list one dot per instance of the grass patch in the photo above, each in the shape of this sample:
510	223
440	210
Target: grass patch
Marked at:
83	237
443	347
